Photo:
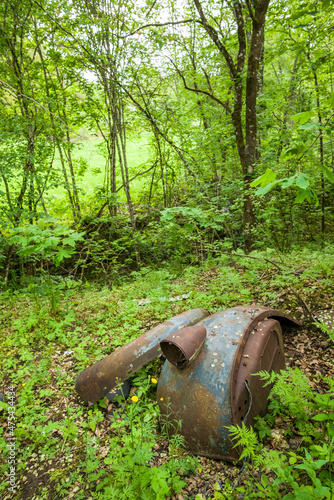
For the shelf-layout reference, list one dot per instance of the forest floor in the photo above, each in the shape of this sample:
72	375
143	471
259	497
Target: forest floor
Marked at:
49	334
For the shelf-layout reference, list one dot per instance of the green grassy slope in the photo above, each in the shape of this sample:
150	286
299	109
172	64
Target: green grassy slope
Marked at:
90	158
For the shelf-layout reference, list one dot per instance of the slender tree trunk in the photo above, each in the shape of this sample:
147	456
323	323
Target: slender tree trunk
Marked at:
161	163
121	148
56	132
321	149
245	132
67	148
289	100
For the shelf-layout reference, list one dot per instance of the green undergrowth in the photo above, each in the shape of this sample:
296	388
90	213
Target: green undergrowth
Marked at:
305	473
54	328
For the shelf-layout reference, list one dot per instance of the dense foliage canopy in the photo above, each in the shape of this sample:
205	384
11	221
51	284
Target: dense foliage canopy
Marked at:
232	104
157	157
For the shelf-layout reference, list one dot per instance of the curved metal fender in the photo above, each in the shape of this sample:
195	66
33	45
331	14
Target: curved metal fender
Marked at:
201	394
98	379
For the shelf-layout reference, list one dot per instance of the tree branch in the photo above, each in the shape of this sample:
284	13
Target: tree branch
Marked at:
199	91
241	36
215	38
14	91
250	10
315	140
158	25
122	186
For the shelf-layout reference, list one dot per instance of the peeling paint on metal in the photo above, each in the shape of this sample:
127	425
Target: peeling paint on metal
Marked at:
97	380
203	395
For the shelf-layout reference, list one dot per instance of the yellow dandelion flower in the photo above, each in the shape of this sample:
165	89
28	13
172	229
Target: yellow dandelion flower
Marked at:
154	381
135	399
161	399
23	385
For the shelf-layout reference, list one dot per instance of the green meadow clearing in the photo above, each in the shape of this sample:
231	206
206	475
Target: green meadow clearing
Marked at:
90	158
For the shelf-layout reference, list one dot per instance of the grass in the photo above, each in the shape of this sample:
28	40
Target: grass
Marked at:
90	158
50	331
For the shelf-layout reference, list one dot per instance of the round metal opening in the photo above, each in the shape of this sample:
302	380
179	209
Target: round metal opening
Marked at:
174	354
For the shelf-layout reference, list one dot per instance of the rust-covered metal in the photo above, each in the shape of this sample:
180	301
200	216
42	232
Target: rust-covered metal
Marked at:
182	347
262	351
325	317
97	380
218	388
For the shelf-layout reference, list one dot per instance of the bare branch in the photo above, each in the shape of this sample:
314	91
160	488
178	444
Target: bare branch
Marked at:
158	25
199	91
216	40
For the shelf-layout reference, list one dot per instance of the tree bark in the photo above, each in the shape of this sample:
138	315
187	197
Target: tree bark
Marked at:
245	129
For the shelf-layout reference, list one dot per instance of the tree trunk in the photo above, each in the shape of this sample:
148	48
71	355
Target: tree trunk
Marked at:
245	130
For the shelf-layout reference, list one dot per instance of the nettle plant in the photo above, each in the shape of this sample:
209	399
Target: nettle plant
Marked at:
39	247
47	240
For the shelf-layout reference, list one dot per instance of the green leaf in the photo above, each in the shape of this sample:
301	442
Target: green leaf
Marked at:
326	3
292	152
264	480
52	241
301	196
312	197
178	484
287	182
157	479
320	417
301	118
317	464
64	253
19	240
330	100
188	227
264	190
268	177
306	194
167	215
92	465
302	181
70	240
309	126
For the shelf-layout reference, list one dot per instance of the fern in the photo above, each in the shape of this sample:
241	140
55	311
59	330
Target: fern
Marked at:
269	459
324	327
269	377
245	437
291	393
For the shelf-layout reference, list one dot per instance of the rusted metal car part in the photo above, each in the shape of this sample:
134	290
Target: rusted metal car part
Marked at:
218	389
123	391
97	380
182	347
325	317
263	351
